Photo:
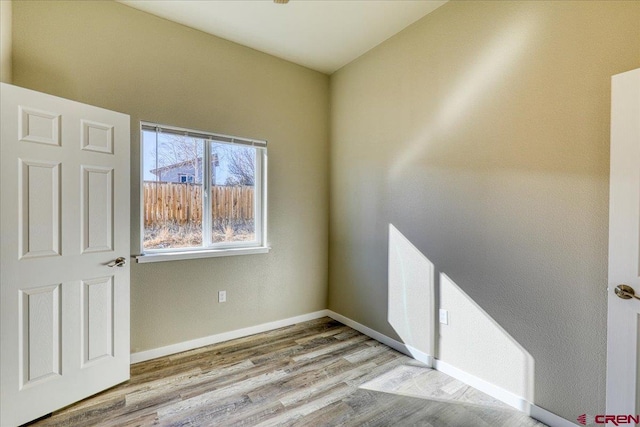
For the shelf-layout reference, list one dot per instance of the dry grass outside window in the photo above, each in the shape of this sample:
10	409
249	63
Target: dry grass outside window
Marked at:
171	234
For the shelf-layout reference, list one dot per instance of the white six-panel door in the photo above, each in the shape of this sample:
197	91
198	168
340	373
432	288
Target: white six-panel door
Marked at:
623	336
64	217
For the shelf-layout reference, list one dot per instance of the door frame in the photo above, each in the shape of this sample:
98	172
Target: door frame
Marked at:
622	385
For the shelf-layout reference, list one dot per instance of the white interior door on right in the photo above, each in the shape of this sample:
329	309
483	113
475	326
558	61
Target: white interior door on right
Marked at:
623	323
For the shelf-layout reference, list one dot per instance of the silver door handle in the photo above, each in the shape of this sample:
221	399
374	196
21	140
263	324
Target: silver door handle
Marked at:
119	262
625	292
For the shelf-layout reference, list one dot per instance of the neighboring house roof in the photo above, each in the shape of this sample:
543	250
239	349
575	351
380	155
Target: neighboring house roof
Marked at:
214	160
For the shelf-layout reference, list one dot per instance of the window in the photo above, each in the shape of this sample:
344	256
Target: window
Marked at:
202	194
186	178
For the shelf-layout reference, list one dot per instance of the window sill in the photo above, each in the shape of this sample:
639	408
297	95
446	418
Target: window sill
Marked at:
176	256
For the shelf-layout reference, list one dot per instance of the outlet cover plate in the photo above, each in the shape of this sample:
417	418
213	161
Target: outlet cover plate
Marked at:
444	316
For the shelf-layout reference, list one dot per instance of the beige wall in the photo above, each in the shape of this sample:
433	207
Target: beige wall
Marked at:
110	55
5	41
482	134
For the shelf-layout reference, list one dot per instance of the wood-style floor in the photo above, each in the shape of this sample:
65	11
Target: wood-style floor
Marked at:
317	373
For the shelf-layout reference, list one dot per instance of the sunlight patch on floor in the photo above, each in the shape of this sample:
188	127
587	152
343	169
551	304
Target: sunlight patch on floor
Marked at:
426	383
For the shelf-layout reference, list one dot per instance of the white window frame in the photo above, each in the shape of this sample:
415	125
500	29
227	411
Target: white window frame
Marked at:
259	245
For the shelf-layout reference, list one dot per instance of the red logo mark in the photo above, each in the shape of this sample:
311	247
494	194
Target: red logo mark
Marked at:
616	420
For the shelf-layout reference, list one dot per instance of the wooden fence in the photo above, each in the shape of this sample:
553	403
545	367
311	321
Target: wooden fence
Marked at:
182	203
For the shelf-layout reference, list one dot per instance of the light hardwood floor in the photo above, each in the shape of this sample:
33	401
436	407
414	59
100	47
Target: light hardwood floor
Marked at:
317	373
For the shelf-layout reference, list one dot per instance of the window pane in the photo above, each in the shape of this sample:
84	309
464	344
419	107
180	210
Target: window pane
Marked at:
233	195
173	191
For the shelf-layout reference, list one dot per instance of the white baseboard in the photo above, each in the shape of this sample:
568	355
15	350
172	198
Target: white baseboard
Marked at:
505	396
511	399
492	390
225	336
396	345
549	418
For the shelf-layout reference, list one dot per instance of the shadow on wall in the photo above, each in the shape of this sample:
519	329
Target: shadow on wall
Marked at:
470	341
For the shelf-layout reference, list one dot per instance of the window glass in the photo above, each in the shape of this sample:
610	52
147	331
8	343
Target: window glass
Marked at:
172	193
199	192
233	193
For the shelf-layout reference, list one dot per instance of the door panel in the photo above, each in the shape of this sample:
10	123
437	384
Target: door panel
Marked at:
97	209
39	198
624	246
97	137
97	319
64	181
40	334
42	127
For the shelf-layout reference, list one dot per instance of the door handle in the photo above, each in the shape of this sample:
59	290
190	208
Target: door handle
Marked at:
119	262
625	292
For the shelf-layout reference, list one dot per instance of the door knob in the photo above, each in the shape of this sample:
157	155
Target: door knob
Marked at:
119	262
626	292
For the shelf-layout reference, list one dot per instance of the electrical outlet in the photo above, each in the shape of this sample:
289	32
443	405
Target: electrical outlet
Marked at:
444	316
222	296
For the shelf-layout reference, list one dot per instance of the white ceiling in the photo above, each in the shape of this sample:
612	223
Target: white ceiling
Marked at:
323	35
